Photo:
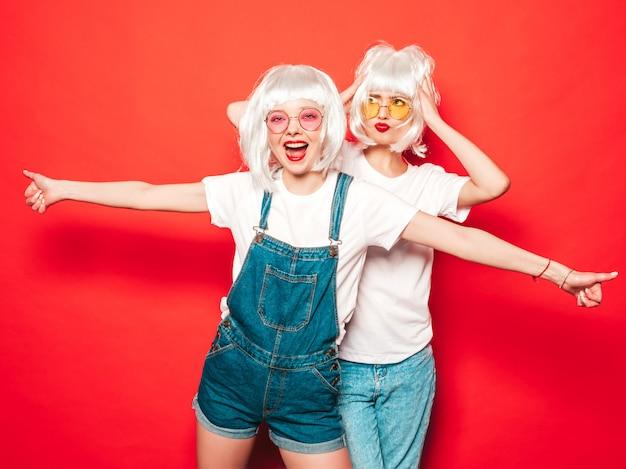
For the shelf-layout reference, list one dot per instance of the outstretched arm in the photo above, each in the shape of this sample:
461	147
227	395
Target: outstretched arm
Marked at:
479	246
44	191
487	181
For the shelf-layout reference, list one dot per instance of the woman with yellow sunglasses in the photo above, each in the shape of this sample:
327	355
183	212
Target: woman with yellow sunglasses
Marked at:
388	373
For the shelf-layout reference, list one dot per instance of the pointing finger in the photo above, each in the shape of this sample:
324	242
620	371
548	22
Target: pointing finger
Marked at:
605	277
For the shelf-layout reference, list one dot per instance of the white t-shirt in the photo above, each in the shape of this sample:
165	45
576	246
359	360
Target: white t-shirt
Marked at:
392	320
371	217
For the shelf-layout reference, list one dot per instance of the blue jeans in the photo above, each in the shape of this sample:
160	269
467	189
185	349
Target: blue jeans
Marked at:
386	410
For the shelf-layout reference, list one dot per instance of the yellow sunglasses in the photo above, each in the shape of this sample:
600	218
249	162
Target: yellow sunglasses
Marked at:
398	108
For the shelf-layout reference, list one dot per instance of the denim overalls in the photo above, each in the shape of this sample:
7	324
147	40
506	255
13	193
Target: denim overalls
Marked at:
274	357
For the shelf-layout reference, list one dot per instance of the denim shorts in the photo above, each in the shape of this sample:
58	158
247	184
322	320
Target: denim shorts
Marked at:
237	391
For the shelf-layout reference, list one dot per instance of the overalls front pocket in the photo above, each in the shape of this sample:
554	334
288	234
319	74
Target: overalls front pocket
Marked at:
329	375
286	300
220	344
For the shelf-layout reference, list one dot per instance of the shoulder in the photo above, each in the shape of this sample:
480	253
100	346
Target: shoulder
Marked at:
241	183
239	177
231	198
367	194
433	174
239	186
427	169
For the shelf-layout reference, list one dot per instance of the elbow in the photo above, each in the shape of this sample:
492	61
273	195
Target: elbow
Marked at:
503	185
230	113
143	196
234	111
498	188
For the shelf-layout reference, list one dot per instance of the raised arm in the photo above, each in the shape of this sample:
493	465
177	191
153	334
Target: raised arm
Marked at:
347	94
479	246
44	191
487	181
235	110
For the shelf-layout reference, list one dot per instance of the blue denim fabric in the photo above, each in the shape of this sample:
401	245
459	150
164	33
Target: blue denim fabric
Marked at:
386	410
274	357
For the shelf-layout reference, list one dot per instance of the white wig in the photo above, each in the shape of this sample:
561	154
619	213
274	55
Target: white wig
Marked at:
277	86
396	71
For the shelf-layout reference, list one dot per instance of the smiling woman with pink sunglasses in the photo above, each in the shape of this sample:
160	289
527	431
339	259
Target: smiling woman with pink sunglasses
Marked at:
301	233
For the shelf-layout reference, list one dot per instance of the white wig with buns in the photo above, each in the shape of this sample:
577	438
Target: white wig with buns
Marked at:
279	85
395	71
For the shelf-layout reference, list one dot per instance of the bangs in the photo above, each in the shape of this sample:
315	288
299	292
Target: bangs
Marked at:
392	74
290	84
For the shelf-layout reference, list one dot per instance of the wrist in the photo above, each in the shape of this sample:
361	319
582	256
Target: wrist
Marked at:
556	273
65	190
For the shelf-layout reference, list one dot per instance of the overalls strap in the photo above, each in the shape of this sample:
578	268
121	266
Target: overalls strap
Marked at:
265	209
339	201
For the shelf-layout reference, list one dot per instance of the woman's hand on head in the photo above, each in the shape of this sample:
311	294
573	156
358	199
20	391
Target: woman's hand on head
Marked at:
587	287
348	93
41	192
429	99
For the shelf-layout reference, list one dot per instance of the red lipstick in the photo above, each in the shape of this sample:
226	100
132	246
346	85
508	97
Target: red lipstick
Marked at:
381	127
295	150
294	158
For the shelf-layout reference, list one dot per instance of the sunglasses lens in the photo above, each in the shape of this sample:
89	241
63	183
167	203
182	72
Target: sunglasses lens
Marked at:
371	107
277	121
310	119
399	108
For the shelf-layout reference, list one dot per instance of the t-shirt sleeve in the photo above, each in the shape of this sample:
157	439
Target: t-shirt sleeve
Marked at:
444	188
385	216
222	195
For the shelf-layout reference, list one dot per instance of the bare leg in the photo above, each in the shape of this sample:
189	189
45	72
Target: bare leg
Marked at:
339	459
218	452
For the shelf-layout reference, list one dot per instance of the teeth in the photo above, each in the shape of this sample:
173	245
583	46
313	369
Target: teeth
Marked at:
295	146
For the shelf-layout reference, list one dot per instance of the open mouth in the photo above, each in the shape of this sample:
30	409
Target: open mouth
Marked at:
295	150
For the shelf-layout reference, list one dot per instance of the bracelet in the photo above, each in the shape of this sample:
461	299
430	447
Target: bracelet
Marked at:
535	277
565	279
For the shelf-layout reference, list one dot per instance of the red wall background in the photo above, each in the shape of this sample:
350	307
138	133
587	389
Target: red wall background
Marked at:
106	314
